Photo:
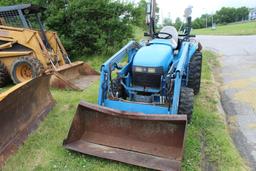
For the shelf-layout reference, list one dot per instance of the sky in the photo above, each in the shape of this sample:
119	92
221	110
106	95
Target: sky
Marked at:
175	8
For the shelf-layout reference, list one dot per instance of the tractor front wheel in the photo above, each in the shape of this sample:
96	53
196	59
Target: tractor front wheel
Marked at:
194	76
4	75
26	68
186	102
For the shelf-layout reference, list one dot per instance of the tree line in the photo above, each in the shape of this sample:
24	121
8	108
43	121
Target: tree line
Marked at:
223	16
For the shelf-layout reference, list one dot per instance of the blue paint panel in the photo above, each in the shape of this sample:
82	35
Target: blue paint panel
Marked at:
155	55
142	89
161	41
192	49
135	107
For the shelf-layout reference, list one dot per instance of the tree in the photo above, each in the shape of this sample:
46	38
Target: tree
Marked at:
167	22
197	23
242	13
223	16
226	15
178	23
140	13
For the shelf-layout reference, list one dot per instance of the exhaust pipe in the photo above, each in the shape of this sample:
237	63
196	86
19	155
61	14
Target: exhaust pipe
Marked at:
150	141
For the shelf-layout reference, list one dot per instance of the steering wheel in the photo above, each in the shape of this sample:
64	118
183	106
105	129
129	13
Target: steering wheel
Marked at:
169	36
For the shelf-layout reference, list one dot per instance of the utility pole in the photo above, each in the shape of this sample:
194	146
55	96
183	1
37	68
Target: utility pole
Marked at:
212	20
206	21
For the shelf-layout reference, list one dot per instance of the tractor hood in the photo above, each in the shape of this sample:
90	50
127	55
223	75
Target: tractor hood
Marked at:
154	55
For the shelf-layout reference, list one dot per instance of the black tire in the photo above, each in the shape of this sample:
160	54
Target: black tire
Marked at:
33	64
194	76
4	75
186	102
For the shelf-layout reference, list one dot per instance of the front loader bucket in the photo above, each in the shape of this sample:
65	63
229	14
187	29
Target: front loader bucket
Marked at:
151	141
76	76
21	109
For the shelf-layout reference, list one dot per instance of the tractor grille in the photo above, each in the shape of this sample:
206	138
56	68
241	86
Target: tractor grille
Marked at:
146	79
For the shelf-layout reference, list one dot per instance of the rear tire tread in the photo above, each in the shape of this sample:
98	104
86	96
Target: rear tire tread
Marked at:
4	75
37	67
194	77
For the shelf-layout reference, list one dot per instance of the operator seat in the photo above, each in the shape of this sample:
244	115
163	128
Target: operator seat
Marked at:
170	30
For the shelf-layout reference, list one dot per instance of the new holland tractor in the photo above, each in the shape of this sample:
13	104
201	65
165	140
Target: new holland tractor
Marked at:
27	50
145	100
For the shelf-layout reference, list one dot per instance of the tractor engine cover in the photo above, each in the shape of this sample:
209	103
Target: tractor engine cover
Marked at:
150	63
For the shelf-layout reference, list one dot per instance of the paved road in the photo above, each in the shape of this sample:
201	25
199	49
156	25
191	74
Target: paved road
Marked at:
238	88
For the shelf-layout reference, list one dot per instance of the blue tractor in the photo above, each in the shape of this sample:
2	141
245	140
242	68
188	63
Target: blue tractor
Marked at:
145	100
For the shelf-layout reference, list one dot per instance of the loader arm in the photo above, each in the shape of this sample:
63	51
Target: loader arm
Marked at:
180	71
130	49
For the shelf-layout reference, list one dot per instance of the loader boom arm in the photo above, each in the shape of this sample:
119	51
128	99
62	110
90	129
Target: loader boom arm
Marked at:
180	71
110	65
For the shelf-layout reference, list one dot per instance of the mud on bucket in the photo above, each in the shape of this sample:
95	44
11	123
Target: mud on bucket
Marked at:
151	141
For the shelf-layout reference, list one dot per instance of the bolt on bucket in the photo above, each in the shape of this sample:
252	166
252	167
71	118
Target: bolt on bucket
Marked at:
151	141
21	110
77	76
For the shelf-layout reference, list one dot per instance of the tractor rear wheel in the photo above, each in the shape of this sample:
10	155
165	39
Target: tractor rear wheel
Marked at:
194	76
26	68
186	102
4	75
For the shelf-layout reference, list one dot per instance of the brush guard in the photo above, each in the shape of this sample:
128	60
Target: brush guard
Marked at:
21	110
151	141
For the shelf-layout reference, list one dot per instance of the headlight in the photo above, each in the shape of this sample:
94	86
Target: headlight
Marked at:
138	69
145	69
151	70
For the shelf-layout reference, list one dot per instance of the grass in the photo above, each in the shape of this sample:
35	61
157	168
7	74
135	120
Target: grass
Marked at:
138	33
4	89
208	143
248	28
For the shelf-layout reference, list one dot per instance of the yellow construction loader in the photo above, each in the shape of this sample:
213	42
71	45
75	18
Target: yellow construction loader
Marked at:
27	51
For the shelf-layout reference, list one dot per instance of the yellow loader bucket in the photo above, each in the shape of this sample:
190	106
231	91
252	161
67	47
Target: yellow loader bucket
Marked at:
77	76
151	141
21	110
